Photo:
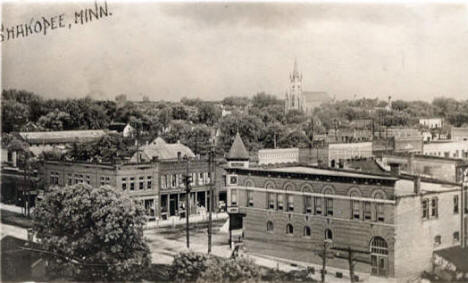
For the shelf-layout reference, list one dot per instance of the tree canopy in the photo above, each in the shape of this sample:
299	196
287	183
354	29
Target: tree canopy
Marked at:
93	233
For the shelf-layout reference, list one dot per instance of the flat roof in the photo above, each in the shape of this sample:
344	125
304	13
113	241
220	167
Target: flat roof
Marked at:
326	172
405	187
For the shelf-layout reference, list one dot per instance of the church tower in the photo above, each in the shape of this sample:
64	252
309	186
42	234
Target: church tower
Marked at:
294	98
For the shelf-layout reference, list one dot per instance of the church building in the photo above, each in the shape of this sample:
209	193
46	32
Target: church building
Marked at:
303	101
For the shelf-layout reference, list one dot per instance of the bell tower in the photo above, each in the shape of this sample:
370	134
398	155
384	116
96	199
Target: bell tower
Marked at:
294	98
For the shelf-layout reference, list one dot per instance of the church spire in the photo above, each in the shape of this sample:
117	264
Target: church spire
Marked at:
295	70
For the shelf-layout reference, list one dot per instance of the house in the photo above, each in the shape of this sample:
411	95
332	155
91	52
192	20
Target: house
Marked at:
453	149
432	123
397	221
459	134
162	150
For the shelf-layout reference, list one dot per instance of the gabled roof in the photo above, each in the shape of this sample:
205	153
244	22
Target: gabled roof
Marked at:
164	151
238	151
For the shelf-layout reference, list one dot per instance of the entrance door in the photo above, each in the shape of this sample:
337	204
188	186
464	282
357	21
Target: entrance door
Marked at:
379	265
173	205
379	257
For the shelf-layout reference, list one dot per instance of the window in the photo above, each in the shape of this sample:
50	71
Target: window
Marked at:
124	184
250	201
318	205
290	203
201	180
328	234
379	246
289	229
425	209
88	179
270	227
367	211
163	181
234	197
280	202
174	181
132	183
307	231
434	208
78	179
308	204
141	183
329	206
380	212
356	209
455	204
271	200
54	178
194	178
437	240
70	179
456	237
149	182
102	180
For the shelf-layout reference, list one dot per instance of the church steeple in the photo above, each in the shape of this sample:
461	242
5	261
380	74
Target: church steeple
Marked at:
295	69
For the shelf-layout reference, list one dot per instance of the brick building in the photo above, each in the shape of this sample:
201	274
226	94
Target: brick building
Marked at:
399	221
139	180
172	191
454	149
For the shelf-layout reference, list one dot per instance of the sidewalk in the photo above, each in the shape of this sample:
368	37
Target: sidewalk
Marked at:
174	221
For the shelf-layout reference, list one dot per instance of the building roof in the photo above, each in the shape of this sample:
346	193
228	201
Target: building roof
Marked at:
61	136
328	172
314	96
238	150
405	187
163	151
457	256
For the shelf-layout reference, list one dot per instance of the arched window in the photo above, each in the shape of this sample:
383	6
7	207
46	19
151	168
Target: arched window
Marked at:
379	207
307	231
249	183
270	226
379	246
289	229
328	201
269	185
328	234
355	204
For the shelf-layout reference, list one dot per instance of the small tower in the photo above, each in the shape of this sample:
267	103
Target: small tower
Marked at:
294	99
238	155
389	104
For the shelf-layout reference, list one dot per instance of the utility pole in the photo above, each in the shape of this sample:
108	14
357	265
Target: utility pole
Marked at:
188	179
212	198
351	263
324	258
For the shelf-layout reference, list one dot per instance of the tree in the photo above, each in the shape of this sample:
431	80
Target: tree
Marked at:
93	233
196	267
208	114
14	115
262	100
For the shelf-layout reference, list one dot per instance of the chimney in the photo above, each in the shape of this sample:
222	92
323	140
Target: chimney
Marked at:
395	168
417	185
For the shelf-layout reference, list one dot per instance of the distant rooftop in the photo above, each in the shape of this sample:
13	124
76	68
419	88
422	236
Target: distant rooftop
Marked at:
238	150
330	172
163	151
61	136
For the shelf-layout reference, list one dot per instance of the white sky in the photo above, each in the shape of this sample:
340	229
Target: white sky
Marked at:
213	50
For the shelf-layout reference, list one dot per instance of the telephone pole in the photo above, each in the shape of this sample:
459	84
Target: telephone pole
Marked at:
351	262
187	180
326	243
211	162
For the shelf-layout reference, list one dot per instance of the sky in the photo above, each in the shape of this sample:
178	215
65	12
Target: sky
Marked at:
166	51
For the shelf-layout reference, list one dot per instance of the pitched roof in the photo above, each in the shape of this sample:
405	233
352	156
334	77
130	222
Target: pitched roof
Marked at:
61	136
313	96
238	151
164	151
